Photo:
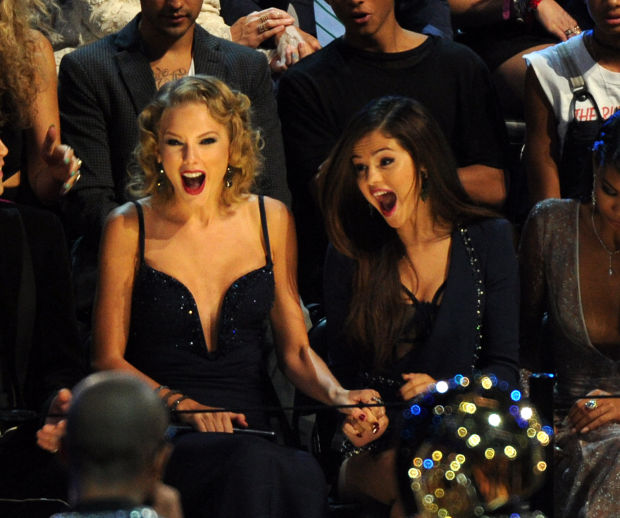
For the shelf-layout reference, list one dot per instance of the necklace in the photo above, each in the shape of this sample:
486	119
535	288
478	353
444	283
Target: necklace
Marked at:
610	253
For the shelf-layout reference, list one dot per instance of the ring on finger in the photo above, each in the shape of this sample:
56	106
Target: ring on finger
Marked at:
378	400
262	28
568	32
577	29
263	18
591	404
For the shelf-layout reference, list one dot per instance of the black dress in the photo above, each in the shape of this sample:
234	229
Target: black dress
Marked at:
220	474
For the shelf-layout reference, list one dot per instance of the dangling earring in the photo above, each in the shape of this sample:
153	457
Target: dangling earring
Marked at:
424	189
228	177
162	175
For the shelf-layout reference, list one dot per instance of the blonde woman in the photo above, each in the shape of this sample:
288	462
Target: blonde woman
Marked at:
29	121
188	276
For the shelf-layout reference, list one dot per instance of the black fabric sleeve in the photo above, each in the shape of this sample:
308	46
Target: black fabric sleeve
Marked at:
500	325
272	182
480	131
56	359
338	274
307	136
84	128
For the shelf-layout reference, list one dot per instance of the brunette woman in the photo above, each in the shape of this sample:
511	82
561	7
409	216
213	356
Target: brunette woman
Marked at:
420	284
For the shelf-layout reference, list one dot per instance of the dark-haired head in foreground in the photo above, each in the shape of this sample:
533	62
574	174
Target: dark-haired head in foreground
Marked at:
115	439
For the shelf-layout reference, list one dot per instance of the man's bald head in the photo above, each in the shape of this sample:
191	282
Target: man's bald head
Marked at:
115	428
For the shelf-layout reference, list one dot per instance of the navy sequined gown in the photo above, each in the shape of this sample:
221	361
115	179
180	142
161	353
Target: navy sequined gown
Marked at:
220	474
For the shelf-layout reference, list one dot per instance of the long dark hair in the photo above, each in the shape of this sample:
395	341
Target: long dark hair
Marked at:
377	311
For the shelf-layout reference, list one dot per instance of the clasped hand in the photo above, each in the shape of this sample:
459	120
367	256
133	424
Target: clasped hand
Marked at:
258	26
364	425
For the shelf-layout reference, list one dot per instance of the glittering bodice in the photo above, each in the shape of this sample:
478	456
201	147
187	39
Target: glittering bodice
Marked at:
166	339
579	365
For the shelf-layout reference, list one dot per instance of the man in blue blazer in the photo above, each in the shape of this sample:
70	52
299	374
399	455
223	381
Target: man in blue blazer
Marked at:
105	85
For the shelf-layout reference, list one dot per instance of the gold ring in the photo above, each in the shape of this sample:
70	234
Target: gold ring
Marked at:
262	28
263	18
577	29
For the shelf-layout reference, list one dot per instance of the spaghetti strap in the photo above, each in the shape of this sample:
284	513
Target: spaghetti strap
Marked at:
263	221
141	230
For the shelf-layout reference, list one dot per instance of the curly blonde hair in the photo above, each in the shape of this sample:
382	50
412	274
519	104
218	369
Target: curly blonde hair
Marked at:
18	46
228	107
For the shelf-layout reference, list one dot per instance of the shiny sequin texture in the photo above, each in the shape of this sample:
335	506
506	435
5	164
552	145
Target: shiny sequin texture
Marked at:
479	287
587	465
167	343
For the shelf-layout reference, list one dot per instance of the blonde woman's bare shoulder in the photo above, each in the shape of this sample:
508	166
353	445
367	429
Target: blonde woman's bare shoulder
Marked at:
276	208
122	220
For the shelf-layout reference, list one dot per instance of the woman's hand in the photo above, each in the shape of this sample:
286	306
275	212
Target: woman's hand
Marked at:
364	425
415	384
585	416
209	421
256	27
556	20
60	160
49	437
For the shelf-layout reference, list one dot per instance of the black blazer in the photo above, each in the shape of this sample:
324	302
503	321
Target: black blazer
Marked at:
451	346
105	85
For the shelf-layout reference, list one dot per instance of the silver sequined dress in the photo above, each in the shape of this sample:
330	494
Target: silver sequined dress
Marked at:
587	466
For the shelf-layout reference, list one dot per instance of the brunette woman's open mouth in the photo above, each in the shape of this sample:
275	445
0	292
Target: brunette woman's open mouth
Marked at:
193	181
387	201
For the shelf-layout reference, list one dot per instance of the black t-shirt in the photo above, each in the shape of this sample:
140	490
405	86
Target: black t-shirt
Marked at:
319	95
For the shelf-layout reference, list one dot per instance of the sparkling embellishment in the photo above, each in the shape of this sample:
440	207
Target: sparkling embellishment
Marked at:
479	286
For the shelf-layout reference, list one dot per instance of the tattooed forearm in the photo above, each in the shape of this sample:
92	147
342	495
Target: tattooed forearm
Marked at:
163	75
